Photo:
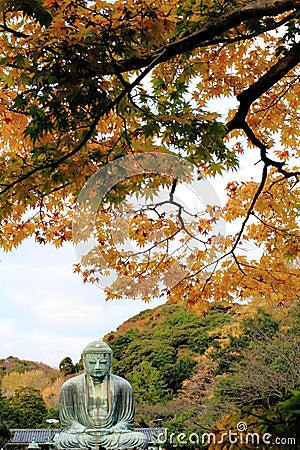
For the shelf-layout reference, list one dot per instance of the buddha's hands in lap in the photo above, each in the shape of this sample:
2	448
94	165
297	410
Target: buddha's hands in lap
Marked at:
98	431
121	427
118	428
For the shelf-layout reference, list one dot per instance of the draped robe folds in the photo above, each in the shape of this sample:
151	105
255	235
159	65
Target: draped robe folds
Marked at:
117	423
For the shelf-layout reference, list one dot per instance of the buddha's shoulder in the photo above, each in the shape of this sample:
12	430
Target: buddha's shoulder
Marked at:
74	381
119	380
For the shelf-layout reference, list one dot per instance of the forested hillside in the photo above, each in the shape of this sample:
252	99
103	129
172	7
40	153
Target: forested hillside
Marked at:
157	350
196	374
13	364
190	373
29	394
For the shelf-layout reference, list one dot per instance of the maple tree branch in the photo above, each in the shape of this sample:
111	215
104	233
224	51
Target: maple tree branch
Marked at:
271	77
4	27
168	202
54	164
239	265
253	92
174	184
273	228
231	252
16	33
154	246
296	174
215	27
243	37
210	30
280	95
208	279
250	209
263	152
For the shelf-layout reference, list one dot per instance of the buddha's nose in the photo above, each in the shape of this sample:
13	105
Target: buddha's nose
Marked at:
98	364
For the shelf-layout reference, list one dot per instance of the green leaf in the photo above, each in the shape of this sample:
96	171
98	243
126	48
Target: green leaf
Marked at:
4	61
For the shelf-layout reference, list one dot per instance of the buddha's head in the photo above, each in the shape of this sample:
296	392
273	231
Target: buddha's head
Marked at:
97	357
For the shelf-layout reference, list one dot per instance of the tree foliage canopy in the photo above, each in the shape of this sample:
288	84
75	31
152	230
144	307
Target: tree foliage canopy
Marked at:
247	370
4	411
162	344
260	384
29	408
84	83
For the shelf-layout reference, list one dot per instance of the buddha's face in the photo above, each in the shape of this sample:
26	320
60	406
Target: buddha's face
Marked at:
97	365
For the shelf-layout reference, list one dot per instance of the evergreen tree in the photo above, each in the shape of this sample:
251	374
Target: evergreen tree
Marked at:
66	366
148	384
29	408
4	415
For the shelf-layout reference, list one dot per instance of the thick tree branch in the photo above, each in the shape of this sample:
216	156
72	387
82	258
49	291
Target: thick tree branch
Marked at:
16	33
256	90
253	92
4	27
253	10
243	37
263	153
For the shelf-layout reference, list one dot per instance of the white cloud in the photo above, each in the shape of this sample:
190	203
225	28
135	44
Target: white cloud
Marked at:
47	312
8	330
